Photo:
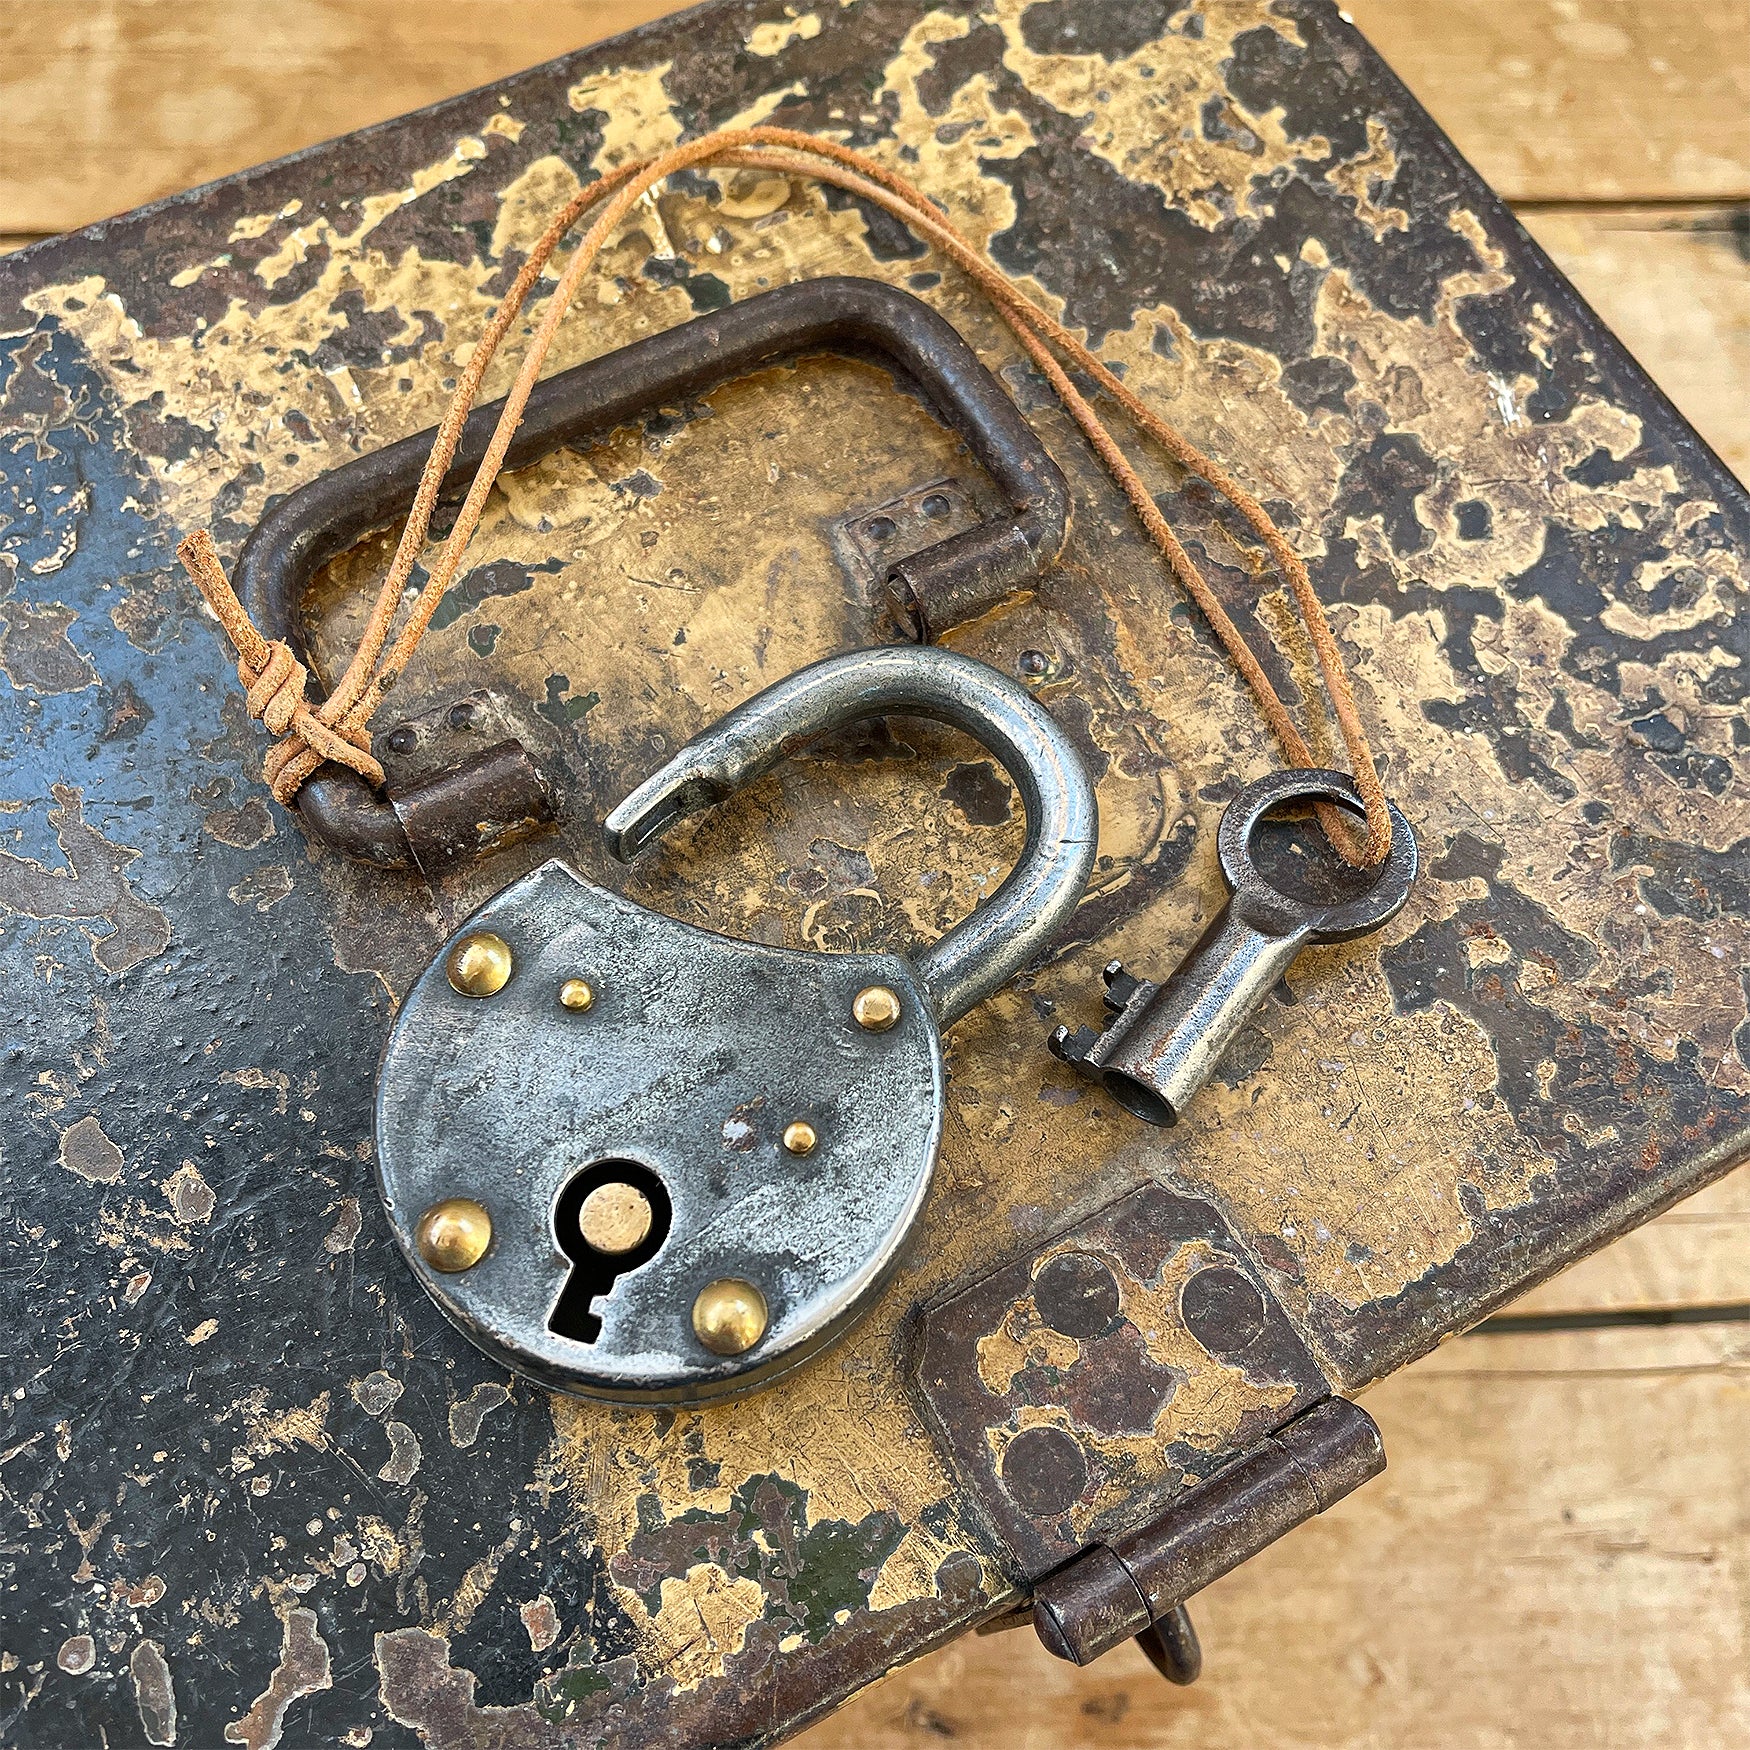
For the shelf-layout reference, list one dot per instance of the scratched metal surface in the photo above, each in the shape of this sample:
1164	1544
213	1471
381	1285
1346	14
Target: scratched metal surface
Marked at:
253	1484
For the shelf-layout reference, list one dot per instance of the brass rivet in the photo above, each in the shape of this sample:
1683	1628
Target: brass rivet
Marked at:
799	1138
876	1008
576	993
729	1316
454	1234
479	965
615	1218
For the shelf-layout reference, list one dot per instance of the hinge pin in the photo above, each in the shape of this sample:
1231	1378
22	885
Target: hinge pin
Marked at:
1137	1586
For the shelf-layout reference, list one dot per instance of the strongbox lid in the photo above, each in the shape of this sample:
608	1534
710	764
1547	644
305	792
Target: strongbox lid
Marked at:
245	1454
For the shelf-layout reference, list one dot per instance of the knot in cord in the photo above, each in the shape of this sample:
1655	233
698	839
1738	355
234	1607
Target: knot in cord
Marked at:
308	743
274	691
273	682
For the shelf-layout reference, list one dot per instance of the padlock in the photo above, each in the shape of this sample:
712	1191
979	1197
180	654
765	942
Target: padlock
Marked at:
635	1159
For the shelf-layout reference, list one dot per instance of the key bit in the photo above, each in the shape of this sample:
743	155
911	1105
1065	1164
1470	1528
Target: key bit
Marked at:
1165	1039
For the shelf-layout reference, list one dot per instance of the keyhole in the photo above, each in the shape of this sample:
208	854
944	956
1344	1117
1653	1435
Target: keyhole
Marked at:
609	1219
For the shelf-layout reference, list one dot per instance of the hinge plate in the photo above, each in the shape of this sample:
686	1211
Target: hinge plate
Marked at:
872	542
1079	1390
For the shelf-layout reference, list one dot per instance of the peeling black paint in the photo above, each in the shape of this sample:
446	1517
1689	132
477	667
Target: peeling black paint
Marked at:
501	577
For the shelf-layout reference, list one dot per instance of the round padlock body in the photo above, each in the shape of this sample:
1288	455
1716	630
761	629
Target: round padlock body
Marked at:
685	1185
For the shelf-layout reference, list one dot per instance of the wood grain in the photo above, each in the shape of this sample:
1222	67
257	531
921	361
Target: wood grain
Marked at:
109	103
1581	99
1675	286
1555	1558
1696	1255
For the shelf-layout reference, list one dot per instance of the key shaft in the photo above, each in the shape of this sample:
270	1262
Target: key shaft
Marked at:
1165	1040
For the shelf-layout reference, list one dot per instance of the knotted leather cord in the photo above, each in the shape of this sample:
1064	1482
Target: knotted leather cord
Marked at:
274	680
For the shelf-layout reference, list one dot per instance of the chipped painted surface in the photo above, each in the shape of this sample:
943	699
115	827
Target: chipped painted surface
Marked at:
91	888
88	1151
303	1669
154	1693
260	1488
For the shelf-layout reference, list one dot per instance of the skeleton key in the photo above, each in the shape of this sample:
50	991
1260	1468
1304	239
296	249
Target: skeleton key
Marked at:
1165	1039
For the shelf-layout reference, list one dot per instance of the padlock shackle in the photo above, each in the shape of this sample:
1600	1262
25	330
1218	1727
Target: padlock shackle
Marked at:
986	949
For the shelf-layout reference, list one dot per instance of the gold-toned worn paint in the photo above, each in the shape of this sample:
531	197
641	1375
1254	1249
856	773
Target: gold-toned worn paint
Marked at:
729	1316
615	1218
453	1235
479	965
577	994
800	1137
876	1008
702	559
1137	103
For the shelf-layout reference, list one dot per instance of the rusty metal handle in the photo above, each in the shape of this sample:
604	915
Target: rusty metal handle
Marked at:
857	318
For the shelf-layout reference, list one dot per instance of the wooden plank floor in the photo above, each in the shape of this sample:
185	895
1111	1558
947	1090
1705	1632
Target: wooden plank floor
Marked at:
1559	1555
1556	1557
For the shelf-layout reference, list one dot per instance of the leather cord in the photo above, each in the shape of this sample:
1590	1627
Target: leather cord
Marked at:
338	728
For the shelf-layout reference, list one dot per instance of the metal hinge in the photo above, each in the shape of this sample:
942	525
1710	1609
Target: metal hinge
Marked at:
1136	1587
1147	1318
